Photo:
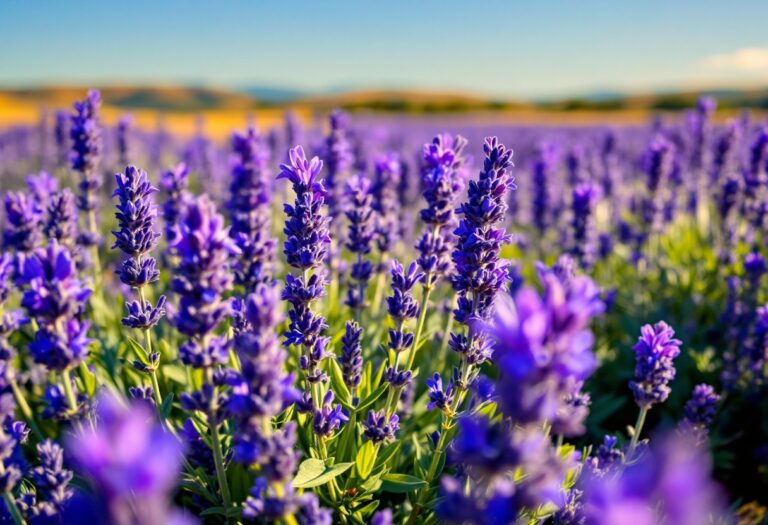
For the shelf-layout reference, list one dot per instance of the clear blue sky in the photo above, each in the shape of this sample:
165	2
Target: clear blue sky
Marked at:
505	48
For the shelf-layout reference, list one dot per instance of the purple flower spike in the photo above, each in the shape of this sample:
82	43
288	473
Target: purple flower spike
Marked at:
328	418
378	428
655	352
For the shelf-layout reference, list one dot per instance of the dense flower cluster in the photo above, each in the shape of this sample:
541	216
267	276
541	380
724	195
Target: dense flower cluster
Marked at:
655	352
249	209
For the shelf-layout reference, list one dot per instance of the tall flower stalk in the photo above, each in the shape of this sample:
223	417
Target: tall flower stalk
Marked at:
85	156
359	239
442	181
136	238
204	249
480	275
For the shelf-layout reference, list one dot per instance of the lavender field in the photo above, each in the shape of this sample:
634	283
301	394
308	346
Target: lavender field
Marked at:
358	318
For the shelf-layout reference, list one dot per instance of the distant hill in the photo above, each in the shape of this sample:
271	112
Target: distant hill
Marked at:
200	99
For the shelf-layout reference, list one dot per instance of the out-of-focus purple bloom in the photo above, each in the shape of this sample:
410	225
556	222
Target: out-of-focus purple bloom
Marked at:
338	158
203	248
123	132
655	352
542	175
359	212
131	461
51	481
62	346
658	162
386	201
61	136
86	151
583	233
53	293
61	223
41	187
175	184
378	428
442	182
382	517
700	411
543	345
21	232
669	484
249	208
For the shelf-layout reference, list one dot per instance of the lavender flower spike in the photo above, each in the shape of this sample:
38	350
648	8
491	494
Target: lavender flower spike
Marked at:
655	352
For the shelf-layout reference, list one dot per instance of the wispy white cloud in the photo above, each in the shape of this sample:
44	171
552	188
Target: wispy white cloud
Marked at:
745	59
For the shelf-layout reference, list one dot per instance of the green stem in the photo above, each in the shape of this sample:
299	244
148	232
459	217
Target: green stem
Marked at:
13	510
93	228
378	293
426	291
148	351
21	401
218	457
638	428
67	380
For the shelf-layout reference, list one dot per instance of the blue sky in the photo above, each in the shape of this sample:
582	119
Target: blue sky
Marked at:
501	48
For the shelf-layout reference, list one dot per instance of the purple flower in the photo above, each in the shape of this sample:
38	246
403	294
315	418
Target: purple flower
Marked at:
21	231
249	208
63	346
131	461
338	157
442	184
583	233
480	274
203	248
175	184
658	162
86	151
61	223
543	345
51	480
700	410
54	293
543	166
670	484
328	418
142	315
306	247
386	201
351	358
136	213
361	232
655	352
438	398
378	428
123	132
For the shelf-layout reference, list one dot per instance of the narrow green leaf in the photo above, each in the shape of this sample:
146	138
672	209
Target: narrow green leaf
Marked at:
401	483
365	459
313	473
165	409
366	403
339	387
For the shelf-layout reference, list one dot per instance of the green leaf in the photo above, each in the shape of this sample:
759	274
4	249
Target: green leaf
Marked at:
345	450
339	387
401	483
165	409
387	453
365	459
214	511
175	373
313	473
366	403
137	349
